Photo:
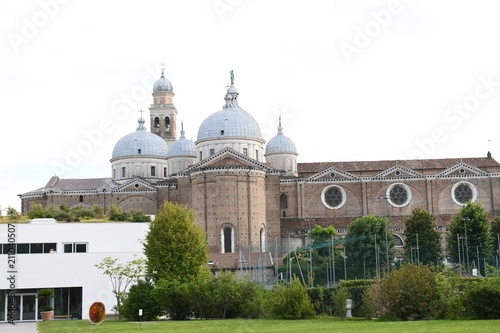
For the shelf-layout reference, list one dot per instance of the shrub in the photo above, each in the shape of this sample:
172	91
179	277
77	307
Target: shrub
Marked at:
290	302
116	214
97	211
339	297
357	290
173	298
139	297
483	299
410	292
62	215
36	211
12	213
451	295
137	215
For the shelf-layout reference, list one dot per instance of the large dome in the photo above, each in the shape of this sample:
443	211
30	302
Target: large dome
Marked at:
162	84
280	144
182	147
140	143
231	121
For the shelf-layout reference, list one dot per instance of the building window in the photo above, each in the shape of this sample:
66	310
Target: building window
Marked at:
75	247
114	173
333	197
245	151
201	156
123	172
167	123
157	122
227	234
399	195
399	240
80	198
48	247
212	152
463	192
283	201
257	155
139	151
36	248
25	248
283	213
165	172
153	171
262	239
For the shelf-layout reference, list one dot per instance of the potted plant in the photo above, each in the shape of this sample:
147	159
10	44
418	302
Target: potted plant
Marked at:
46	311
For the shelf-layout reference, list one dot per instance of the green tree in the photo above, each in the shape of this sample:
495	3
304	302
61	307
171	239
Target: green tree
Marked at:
360	242
175	247
421	224
139	297
495	235
322	239
121	276
472	224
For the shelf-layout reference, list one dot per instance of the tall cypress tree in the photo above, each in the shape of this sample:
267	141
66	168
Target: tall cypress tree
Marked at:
421	225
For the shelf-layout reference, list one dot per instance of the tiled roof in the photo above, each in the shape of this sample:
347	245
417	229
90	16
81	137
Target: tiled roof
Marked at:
232	260
79	184
371	168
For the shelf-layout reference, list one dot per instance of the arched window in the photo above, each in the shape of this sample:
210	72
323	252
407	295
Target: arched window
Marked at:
283	201
80	198
399	240
262	240
227	239
167	123
157	122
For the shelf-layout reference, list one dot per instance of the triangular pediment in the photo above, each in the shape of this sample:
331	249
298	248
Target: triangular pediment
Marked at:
398	171
333	173
225	158
135	184
462	169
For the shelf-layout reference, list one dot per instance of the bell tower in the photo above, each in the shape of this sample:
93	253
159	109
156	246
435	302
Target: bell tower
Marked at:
163	113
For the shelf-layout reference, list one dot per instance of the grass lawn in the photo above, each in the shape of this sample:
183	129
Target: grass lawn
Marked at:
271	325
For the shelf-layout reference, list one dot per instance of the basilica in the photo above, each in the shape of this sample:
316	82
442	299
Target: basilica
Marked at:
252	195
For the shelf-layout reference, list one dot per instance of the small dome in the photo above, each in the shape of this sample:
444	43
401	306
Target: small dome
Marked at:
231	121
182	147
140	143
162	84
280	144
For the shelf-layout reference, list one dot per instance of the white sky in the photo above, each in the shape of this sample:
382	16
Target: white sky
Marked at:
68	66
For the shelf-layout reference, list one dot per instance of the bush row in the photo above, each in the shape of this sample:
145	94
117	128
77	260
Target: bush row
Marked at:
75	214
408	293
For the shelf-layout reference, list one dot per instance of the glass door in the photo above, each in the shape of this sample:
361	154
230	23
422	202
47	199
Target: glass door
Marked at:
29	307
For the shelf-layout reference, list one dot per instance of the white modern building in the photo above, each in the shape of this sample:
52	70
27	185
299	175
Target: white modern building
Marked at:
62	256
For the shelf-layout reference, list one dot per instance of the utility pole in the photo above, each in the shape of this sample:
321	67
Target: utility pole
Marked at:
418	253
386	197
459	260
466	219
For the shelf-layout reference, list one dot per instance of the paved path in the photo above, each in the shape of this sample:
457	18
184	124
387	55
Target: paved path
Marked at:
24	327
